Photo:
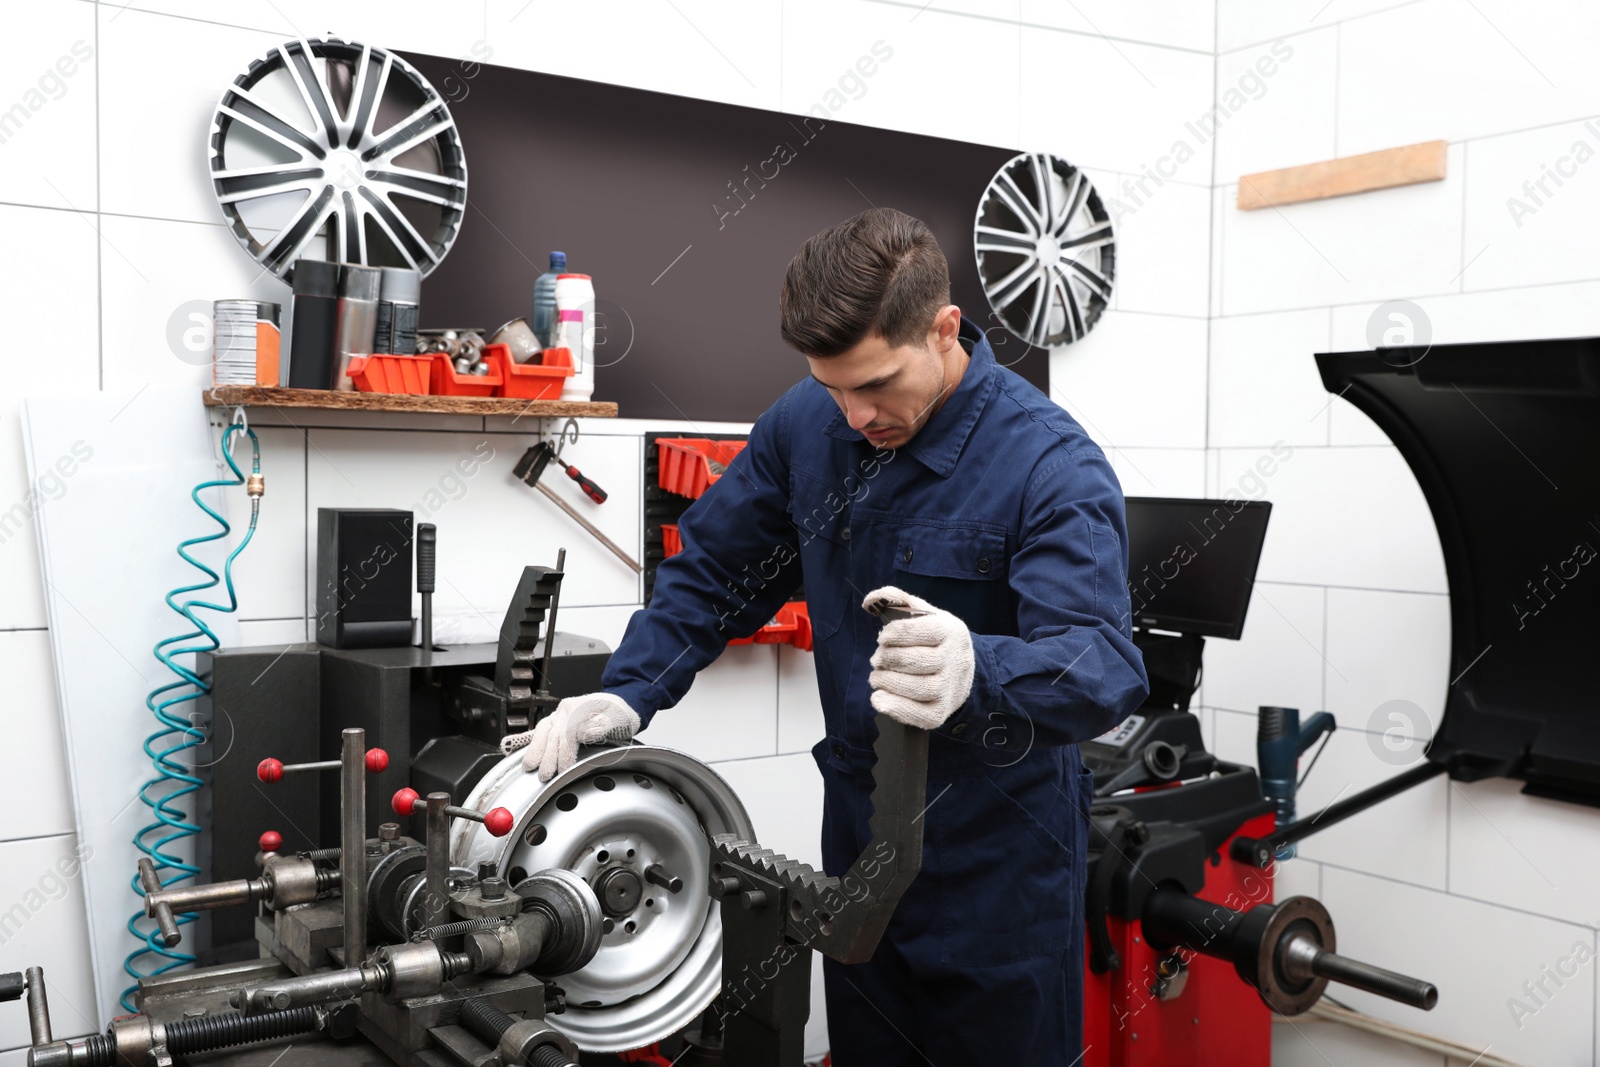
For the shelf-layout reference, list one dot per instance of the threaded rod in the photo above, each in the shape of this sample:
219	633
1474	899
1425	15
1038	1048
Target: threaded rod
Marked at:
227	1029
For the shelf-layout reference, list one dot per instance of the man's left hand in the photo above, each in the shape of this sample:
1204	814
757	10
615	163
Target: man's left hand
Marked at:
922	671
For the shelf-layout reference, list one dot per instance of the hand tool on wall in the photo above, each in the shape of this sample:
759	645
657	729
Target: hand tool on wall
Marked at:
569	432
532	465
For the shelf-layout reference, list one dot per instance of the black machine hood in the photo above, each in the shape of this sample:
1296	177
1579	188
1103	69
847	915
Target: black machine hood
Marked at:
1505	440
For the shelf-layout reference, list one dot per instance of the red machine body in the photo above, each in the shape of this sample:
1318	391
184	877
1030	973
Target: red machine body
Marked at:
1217	1020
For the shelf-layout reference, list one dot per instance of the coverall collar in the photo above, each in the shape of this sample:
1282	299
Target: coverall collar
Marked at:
938	444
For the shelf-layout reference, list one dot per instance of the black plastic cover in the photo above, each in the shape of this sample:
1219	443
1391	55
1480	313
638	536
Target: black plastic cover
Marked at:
1504	439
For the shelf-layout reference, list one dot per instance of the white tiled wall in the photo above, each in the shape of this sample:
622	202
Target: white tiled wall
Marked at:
1198	380
1474	886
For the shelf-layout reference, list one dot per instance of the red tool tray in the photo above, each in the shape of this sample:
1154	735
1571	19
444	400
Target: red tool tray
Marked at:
685	463
530	381
446	382
390	374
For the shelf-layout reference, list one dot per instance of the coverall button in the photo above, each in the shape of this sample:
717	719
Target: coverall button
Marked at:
905	556
959	728
844	532
838	750
983	565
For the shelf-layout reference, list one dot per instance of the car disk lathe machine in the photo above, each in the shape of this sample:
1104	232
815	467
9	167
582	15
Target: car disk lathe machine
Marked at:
602	911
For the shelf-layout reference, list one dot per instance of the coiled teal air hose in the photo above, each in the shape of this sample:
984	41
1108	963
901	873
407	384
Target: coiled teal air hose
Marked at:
175	735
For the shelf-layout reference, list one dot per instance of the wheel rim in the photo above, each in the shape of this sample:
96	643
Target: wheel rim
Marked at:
1045	249
337	150
650	981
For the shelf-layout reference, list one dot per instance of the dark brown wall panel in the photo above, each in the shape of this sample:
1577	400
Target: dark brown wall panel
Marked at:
625	180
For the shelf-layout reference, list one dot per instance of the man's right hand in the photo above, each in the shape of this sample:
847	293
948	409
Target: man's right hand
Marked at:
552	745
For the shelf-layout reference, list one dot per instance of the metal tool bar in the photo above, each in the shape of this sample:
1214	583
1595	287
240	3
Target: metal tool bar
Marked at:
353	843
436	903
203	897
1259	851
319	988
593	530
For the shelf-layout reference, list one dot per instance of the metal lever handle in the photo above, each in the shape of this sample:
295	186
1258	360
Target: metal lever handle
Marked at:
12	986
200	898
497	821
271	770
38	1008
427	550
151	883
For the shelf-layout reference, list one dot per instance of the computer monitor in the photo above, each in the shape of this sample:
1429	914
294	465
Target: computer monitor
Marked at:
1191	563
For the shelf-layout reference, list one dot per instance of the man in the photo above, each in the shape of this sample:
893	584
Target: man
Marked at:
910	466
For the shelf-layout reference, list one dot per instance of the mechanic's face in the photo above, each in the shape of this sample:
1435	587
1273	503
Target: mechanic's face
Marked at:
888	394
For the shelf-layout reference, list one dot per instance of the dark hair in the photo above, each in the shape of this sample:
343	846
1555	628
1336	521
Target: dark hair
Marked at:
880	273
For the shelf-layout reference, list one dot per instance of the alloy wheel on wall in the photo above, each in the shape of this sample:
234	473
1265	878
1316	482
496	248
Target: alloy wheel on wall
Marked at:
336	150
1045	249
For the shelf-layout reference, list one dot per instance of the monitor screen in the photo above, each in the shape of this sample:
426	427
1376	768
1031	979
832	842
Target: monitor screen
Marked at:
1191	563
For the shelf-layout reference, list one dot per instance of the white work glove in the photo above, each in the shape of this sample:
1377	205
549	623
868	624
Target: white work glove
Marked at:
922	671
552	745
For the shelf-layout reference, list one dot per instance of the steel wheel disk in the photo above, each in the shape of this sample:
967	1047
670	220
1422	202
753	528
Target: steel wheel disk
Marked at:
616	812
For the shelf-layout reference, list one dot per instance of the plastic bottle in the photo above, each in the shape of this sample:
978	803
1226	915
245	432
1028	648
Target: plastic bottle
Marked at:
544	301
575	331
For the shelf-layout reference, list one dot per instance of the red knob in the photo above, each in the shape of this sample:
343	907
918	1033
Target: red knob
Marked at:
269	769
498	822
271	841
377	760
405	801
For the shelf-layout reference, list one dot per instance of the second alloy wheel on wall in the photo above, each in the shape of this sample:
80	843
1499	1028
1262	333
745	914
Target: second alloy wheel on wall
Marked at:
1045	249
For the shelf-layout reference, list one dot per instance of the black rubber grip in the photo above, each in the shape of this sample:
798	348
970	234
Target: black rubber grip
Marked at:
427	546
12	985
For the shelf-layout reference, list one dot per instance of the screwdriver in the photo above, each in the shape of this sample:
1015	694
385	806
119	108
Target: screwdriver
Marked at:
595	493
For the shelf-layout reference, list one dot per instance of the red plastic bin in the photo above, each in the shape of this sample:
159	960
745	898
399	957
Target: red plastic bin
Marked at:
446	382
531	381
790	626
390	374
684	463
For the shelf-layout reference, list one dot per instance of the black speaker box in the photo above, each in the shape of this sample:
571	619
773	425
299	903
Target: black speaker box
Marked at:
363	577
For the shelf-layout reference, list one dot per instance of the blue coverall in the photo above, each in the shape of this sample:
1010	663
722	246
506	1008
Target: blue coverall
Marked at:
1004	512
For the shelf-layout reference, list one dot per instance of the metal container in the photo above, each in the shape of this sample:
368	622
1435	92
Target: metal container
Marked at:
355	319
399	302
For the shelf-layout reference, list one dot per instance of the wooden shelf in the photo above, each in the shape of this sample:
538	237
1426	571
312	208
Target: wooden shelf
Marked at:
227	396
